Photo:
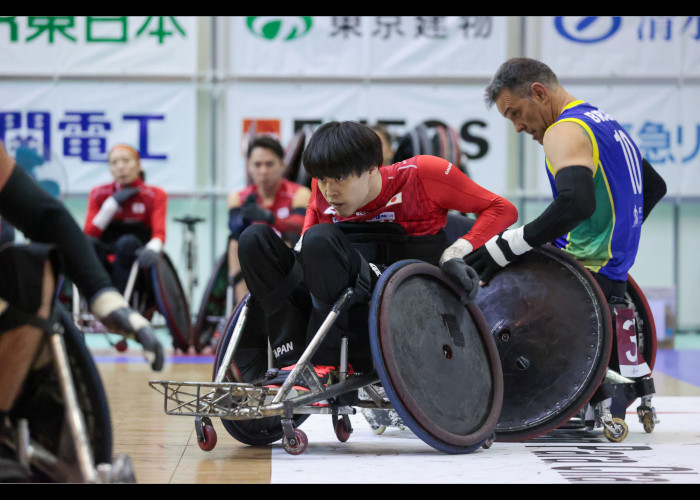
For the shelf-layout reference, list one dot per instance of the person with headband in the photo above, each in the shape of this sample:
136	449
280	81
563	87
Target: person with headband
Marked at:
126	217
29	274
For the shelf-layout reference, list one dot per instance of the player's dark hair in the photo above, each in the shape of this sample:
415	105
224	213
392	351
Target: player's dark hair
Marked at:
338	149
267	142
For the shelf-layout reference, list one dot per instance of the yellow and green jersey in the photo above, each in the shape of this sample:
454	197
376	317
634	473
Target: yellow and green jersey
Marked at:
607	242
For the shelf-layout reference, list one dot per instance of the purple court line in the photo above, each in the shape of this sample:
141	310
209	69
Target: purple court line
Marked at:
174	359
681	364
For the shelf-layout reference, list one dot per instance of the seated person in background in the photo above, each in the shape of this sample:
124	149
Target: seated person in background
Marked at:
270	199
387	143
28	279
126	217
296	289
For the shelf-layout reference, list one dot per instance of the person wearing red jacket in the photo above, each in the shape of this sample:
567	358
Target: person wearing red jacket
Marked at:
126	217
295	289
29	275
270	199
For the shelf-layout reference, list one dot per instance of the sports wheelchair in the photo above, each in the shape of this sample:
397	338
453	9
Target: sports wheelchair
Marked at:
435	364
570	359
156	288
59	428
215	307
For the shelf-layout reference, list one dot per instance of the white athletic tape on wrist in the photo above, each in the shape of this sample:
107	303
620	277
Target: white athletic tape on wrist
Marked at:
155	244
458	250
106	213
138	321
107	302
297	247
495	252
516	241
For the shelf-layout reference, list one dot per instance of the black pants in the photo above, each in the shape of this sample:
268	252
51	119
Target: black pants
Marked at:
22	278
124	249
296	292
613	290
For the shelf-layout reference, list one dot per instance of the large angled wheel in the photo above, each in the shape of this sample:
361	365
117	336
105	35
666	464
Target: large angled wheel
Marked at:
435	357
248	364
42	404
212	307
172	302
553	329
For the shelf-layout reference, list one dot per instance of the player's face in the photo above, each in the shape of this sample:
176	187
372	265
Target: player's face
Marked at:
348	194
527	114
124	166
265	168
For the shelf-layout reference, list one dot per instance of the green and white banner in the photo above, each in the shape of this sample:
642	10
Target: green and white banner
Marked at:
366	46
98	45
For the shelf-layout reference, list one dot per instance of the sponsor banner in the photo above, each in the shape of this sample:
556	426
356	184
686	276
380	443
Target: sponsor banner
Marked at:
106	45
399	107
664	122
367	46
70	126
620	46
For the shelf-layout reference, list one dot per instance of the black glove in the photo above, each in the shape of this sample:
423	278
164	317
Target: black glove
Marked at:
124	194
497	253
112	310
251	211
463	275
147	257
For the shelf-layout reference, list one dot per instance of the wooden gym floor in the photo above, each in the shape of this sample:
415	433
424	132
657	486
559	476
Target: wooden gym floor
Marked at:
163	448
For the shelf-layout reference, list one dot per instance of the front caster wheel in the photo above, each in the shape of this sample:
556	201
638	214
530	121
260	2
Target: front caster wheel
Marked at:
648	422
342	430
489	441
617	432
296	445
206	434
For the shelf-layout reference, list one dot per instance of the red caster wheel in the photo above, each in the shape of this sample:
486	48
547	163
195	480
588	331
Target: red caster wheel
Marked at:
296	445
341	430
122	345
206	435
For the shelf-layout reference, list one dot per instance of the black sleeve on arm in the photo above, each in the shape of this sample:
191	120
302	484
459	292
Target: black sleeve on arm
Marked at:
654	188
44	219
574	204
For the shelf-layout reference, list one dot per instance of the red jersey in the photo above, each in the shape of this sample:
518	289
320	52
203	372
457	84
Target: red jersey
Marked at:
147	207
417	193
281	207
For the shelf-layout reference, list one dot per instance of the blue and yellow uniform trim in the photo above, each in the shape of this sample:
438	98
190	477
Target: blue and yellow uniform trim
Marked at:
607	242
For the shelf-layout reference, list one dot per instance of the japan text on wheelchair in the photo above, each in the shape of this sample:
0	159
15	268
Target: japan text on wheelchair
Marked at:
59	428
148	290
460	348
532	353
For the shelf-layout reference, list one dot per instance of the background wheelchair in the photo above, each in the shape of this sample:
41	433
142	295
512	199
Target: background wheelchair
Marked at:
559	341
59	430
215	307
155	289
435	364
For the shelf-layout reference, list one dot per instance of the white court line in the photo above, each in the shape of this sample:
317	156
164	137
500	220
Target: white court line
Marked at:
670	454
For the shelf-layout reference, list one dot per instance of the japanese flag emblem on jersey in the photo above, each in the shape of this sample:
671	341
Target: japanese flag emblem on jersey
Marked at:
394	200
